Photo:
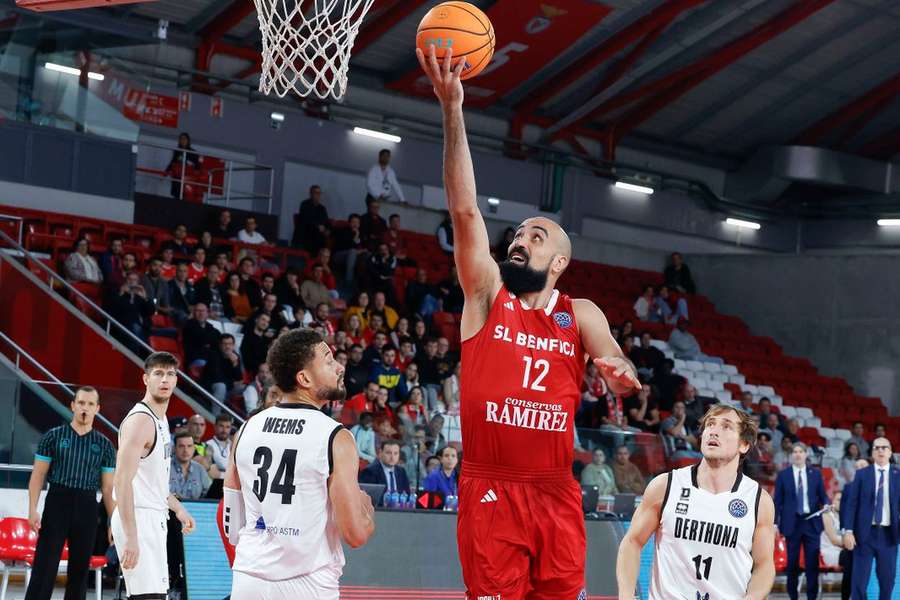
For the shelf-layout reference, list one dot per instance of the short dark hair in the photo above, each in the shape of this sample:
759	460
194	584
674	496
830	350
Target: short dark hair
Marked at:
267	275
160	359
87	389
224	417
394	215
247	259
226	336
353	216
440	453
182	434
355	347
855	423
291	353
389	443
383	151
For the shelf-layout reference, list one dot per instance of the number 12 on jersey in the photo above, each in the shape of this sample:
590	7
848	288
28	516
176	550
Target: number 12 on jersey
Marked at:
541	368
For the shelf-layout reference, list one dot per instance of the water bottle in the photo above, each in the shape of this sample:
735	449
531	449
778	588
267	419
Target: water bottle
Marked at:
395	500
412	502
404	501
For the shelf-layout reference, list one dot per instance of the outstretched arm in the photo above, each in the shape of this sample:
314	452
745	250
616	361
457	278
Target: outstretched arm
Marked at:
643	524
618	372
478	273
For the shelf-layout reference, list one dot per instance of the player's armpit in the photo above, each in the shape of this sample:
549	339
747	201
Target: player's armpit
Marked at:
643	524
600	344
763	550
352	516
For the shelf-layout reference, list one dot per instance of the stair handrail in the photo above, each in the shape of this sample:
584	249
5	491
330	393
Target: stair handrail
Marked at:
110	321
21	352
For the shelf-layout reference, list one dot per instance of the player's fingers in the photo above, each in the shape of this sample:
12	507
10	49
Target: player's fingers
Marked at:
448	58
420	56
458	69
433	67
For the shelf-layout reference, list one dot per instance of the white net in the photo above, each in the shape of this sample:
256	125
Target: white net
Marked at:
307	44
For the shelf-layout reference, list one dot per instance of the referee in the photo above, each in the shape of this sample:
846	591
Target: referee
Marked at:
77	461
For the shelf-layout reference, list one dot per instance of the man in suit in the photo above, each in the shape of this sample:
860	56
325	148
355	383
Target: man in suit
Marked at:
800	492
845	560
872	529
385	470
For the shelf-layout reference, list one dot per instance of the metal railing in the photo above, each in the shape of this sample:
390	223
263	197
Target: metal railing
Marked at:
111	324
21	353
217	183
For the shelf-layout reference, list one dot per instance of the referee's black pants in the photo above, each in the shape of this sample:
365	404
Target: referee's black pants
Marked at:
69	514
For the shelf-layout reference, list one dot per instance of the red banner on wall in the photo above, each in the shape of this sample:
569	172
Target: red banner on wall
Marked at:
148	107
530	34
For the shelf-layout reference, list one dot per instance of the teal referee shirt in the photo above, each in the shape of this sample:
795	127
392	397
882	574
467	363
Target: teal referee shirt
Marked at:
76	461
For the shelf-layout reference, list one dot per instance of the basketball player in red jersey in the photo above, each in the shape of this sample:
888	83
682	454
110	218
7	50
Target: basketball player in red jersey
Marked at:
521	529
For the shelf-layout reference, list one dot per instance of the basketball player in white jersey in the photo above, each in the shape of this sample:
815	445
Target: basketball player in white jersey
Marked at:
291	492
715	527
141	485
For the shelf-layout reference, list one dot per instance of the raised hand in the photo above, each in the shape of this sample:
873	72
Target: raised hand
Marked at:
445	81
618	370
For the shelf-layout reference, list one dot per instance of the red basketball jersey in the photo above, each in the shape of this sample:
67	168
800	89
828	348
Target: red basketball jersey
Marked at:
520	387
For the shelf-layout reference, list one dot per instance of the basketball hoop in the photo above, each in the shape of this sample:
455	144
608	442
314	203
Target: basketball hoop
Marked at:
308	53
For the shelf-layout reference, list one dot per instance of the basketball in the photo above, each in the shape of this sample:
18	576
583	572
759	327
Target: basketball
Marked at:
463	27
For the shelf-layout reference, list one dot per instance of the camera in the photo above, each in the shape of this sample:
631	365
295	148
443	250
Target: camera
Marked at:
277	119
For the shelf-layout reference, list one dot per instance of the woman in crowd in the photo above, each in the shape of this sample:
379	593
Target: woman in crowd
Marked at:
847	468
80	265
359	308
354	330
236	301
400	332
412	411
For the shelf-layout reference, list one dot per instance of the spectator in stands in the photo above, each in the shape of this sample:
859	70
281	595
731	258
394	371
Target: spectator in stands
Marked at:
167	268
408	380
223	374
323	258
372	225
201	339
759	463
311	223
880	430
256	342
359	307
627	330
393	237
445	234
451	387
782	458
188	479
181	295
600	474
111	263
385	373
419	334
156	287
415	452
364	401
772	426
348	245
209	292
412	411
693	405
400	332
421	296
249	234
644	304
428	371
446	358
131	308
236	300
385	471
206	242
355	331
859	438
247	269
183	159
501	250
381	267
224	229
641	411
679	437
628	477
269	308
81	266
314	291
379	307
287	288
747	403
678	276
356	374
255	390
197	267
372	353
450	293
443	480
218	447
610	410
847	467
668	384
381	181
646	358
179	243
686	347
764	409
365	436
431	464
664	311
793	428
627	346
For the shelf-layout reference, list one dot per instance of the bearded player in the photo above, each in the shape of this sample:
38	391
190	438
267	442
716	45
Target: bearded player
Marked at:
521	527
715	528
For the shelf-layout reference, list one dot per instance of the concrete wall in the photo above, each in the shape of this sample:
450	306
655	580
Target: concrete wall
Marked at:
839	311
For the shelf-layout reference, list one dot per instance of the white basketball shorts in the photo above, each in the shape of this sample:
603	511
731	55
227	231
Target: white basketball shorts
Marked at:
318	585
150	578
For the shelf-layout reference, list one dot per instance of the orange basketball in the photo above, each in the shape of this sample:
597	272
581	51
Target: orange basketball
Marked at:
463	27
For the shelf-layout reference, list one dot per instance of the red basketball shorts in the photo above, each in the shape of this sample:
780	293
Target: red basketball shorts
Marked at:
521	540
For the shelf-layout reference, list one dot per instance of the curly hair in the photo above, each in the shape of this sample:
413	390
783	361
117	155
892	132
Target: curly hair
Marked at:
291	353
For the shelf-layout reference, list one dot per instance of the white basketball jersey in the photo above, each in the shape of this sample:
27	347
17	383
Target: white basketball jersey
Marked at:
151	481
283	458
704	540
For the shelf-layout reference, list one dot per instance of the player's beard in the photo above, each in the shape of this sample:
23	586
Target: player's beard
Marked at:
522	279
334	394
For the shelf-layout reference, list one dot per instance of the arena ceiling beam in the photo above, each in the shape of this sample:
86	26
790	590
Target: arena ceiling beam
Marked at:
384	22
855	113
656	95
884	146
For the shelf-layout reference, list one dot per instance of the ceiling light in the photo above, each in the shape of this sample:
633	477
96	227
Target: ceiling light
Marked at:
743	224
377	134
493	201
62	69
633	187
889	222
277	116
96	76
